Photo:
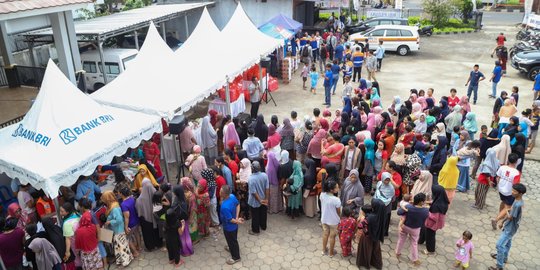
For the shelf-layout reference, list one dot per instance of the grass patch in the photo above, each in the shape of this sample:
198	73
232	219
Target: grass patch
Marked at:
512	2
452	30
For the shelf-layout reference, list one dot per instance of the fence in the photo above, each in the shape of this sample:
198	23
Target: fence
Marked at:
30	76
3	77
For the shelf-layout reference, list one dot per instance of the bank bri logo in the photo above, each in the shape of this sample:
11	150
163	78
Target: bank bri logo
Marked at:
70	135
31	135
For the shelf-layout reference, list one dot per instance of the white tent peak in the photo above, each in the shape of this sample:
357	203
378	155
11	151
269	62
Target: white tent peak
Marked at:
205	30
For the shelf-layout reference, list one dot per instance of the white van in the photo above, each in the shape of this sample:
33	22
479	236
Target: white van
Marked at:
398	38
116	61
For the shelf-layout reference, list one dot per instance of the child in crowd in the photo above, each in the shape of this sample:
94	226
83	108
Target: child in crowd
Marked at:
362	222
454	136
515	94
483	132
535	118
304	74
471	151
314	76
346	230
464	250
403	205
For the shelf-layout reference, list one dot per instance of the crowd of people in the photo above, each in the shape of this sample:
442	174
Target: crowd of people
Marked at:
351	169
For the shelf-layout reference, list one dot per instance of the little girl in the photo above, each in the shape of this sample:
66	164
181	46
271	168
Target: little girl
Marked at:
314	76
464	250
304	74
346	230
403	205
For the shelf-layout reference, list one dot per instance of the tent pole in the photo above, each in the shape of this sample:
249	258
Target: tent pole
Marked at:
136	35
102	59
163	31
228	96
163	151
57	207
187	27
178	157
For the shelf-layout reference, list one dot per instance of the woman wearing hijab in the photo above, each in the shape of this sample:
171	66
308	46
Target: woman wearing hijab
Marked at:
503	149
152	154
261	129
488	172
141	175
196	163
519	148
512	128
423	184
57	239
295	199
386	191
315	146
242	187
398	156
435	220
115	222
439	157
15	211
368	170
203	204
210	178
347	105
423	103
465	105
275	204
505	112
272	144
11	244
285	170
371	124
470	124
287	138
486	142
416	111
208	141
443	104
464	162
371	236
345	122
174	223
191	231
47	258
332	150
86	240
448	177
310	180
229	131
453	120
212	114
144	206
420	125
352	192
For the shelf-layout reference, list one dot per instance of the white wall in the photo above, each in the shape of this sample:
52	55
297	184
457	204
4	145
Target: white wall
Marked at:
27	23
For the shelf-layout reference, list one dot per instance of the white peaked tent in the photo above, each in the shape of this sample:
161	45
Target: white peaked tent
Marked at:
150	84
199	57
244	44
66	134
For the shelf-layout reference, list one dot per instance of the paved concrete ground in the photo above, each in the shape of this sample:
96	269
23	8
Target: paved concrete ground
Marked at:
15	102
296	244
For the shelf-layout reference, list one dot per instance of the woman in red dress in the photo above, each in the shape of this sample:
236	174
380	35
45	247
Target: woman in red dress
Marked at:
152	155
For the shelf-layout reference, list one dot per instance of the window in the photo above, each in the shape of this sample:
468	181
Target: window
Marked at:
398	22
406	33
111	68
377	33
392	33
89	67
385	22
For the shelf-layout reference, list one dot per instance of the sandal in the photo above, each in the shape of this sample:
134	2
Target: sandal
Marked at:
427	252
179	263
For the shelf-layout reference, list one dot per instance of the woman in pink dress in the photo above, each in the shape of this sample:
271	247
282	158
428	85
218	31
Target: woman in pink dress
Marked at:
196	163
229	131
152	155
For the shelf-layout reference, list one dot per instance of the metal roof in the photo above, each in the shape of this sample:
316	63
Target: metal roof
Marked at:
11	6
126	21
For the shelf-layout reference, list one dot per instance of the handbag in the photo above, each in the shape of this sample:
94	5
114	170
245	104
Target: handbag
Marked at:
105	235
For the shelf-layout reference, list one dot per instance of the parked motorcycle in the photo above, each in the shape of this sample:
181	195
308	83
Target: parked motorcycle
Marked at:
521	46
425	30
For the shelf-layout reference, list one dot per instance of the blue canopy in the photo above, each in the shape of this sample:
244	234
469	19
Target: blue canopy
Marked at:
276	31
286	22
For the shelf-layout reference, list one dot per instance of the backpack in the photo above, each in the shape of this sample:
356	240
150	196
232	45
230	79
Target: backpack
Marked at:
305	51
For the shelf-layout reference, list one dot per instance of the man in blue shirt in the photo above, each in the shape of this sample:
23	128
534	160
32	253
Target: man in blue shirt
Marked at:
252	145
474	77
536	87
259	192
335	75
328	81
226	171
379	54
229	210
509	227
495	78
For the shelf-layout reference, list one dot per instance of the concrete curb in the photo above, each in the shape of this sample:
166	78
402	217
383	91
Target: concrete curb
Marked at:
510	9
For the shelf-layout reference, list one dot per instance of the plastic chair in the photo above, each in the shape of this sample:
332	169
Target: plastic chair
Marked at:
6	198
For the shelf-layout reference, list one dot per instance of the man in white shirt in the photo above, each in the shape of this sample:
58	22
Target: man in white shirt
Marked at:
255	96
507	176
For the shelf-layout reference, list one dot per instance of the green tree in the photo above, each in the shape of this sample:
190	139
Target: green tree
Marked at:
462	9
438	10
132	4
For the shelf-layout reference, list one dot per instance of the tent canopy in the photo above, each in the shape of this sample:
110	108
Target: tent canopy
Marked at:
150	83
276	31
286	22
66	134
